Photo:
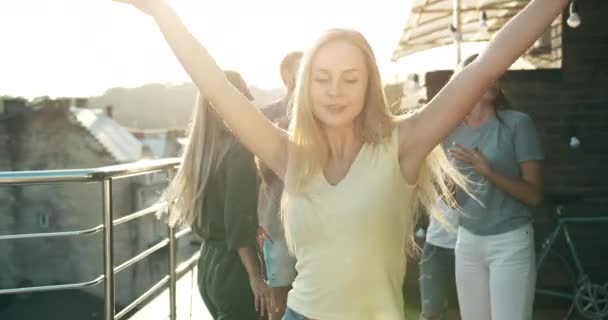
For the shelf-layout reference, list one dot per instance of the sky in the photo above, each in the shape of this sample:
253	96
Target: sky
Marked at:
84	47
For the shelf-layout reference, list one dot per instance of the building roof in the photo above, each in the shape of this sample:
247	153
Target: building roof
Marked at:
157	144
116	139
428	27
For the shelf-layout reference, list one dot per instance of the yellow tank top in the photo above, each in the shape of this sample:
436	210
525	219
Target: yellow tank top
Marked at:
350	239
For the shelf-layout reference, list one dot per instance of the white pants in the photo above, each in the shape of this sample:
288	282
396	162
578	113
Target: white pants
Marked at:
496	275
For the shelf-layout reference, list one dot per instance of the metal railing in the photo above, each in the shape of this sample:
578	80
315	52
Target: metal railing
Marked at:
106	175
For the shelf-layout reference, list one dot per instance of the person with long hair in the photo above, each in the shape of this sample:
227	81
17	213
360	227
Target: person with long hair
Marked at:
438	262
499	149
353	172
279	263
215	191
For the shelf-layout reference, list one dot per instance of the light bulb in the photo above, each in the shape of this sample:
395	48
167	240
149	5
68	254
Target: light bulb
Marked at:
574	21
483	21
420	233
574	142
455	34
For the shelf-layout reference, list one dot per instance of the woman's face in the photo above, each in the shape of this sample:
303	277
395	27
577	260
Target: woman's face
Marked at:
339	79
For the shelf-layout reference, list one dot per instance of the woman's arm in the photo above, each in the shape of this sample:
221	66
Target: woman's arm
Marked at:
261	293
265	140
526	188
420	133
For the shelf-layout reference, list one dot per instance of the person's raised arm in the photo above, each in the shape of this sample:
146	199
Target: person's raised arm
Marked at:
262	138
423	131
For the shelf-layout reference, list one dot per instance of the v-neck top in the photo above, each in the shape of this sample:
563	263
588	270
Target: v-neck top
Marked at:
349	239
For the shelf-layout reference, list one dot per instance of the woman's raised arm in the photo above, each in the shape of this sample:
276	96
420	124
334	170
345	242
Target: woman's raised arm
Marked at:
258	134
422	132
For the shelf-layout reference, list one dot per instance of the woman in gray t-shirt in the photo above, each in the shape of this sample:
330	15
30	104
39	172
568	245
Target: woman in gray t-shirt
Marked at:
495	261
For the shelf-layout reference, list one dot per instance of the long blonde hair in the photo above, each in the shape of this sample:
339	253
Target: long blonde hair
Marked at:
309	152
208	142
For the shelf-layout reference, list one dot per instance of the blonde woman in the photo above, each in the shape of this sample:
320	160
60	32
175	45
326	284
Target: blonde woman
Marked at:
353	173
215	192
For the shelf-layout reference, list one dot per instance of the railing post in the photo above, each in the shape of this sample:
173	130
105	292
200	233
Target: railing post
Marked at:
172	259
172	274
108	249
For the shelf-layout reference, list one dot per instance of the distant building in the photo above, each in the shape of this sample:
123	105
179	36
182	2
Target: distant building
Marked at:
64	134
160	143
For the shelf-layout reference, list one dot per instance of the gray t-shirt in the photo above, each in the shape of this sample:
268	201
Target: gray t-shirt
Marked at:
269	201
269	208
506	141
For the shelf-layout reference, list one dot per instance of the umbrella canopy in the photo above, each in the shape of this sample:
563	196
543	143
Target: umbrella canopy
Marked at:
429	25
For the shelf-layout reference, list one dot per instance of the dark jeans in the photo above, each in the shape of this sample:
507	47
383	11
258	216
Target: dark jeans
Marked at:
224	285
437	281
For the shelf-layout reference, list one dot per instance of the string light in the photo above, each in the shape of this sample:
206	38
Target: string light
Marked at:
455	34
483	21
574	21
